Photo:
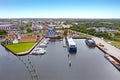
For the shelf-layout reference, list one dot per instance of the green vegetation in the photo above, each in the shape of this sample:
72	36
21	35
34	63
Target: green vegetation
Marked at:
116	43
29	24
80	28
3	32
65	33
83	28
21	27
86	27
40	31
116	36
20	47
29	30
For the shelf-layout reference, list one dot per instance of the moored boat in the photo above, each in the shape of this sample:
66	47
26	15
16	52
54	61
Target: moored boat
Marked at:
90	42
71	45
39	51
111	60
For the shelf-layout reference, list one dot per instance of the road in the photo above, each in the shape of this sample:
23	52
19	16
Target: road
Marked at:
109	48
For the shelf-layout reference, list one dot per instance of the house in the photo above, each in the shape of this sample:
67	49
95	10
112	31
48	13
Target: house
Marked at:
66	26
7	41
12	37
28	38
15	41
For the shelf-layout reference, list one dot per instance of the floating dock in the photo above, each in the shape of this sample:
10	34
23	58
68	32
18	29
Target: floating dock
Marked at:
64	42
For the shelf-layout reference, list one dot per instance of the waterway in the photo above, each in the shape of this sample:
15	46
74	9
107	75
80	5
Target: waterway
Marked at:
86	64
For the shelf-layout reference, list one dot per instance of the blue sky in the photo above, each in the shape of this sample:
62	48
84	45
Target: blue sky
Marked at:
59	8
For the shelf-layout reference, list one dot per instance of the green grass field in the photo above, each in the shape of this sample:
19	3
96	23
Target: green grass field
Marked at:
20	47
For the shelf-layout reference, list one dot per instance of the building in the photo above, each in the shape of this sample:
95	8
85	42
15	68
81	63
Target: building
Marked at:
8	27
5	27
36	26
15	41
103	29
28	38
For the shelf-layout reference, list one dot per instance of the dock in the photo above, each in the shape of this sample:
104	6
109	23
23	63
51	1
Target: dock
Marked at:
64	42
112	61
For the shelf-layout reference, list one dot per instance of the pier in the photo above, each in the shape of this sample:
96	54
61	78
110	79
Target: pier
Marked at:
64	42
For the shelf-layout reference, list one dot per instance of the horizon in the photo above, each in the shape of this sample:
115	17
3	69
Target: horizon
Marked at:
85	9
58	18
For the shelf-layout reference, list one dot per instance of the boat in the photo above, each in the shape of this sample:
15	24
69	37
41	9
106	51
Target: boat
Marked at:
45	42
38	51
90	42
71	45
42	45
112	61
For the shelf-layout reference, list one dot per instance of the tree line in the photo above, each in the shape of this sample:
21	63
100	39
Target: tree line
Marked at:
83	27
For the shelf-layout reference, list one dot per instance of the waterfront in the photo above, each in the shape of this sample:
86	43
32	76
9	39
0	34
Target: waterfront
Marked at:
86	64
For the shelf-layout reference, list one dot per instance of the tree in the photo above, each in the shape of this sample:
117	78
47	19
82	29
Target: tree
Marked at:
3	32
22	27
65	33
98	34
91	31
29	24
119	29
29	30
102	34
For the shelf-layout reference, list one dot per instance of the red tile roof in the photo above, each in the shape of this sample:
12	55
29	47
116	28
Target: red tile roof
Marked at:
28	37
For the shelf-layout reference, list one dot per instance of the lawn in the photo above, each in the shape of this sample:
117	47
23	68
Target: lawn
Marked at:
20	47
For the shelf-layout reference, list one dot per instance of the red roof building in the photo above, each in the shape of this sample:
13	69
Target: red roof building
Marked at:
28	38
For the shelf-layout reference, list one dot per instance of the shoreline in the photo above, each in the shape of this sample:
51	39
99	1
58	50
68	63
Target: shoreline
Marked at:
108	49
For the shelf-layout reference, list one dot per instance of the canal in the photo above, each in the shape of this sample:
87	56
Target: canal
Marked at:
86	64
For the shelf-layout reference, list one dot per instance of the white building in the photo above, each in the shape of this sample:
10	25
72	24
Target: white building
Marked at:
66	26
15	41
5	27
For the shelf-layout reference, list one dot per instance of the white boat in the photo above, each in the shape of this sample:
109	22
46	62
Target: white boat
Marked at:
45	42
47	39
39	51
42	45
71	45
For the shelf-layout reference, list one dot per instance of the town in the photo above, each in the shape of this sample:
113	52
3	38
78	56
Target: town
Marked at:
59	39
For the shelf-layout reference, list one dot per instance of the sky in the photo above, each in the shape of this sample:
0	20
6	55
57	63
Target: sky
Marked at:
59	8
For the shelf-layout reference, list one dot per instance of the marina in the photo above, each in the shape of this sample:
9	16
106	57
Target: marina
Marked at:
60	40
58	64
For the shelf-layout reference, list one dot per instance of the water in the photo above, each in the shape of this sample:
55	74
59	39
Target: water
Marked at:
86	64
